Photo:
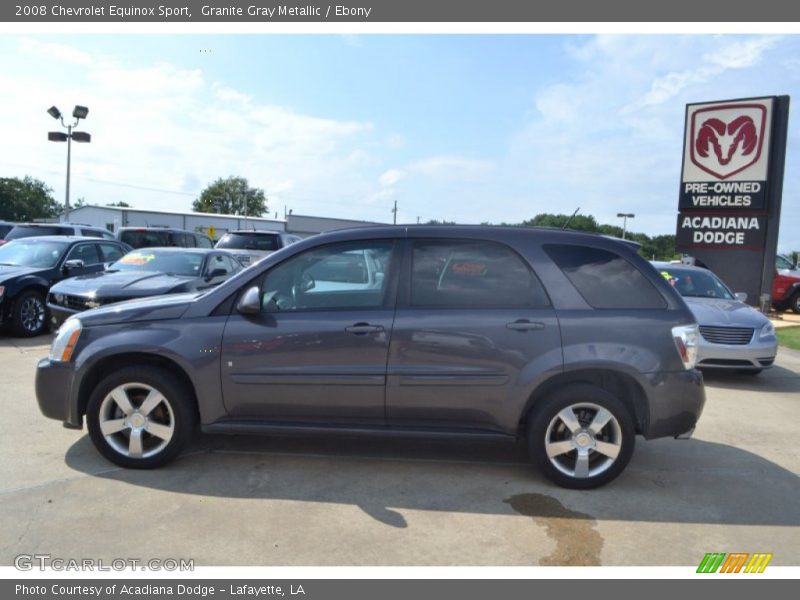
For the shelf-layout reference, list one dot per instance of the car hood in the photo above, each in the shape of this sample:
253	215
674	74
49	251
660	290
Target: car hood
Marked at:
109	284
8	272
725	313
156	308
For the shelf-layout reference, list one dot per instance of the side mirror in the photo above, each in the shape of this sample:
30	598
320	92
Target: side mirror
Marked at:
741	296
216	273
75	263
250	302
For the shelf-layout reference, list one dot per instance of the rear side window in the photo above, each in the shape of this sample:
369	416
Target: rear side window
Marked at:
111	252
604	278
472	274
250	241
144	238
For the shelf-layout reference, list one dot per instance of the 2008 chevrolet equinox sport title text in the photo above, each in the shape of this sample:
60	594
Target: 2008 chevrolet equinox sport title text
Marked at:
570	339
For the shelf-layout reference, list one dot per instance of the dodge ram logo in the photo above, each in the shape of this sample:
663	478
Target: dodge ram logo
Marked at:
727	139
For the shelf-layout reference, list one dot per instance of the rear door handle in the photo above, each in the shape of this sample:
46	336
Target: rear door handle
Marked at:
524	325
362	328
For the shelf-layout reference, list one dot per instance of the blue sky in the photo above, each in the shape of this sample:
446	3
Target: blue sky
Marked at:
469	128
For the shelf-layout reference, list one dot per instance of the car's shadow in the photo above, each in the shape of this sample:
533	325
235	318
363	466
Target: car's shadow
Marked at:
667	481
775	380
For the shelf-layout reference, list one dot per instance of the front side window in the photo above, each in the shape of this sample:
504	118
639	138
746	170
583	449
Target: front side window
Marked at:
472	274
352	275
782	262
604	278
218	262
85	252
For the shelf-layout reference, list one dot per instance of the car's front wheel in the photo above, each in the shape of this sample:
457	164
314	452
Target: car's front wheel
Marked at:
30	314
581	437
794	303
141	417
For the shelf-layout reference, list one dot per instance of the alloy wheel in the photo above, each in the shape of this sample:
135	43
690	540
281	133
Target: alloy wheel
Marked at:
136	420
583	440
32	314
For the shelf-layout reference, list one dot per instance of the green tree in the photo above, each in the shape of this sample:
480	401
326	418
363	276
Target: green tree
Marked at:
121	204
230	196
26	199
578	222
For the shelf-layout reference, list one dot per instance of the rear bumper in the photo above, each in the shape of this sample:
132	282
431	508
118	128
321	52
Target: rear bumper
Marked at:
676	403
54	393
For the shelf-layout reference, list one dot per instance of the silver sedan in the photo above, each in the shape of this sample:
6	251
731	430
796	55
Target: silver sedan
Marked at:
733	335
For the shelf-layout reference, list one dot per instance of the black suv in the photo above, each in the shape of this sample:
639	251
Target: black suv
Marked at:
572	340
29	266
162	237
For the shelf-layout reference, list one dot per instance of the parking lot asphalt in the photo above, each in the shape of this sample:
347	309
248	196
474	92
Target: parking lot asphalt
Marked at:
339	501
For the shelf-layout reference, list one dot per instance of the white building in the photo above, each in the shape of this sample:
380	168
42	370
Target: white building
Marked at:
212	224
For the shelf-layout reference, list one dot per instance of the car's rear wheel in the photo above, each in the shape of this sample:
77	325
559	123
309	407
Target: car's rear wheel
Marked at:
581	437
30	314
141	417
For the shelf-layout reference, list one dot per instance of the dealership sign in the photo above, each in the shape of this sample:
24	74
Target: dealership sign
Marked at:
727	200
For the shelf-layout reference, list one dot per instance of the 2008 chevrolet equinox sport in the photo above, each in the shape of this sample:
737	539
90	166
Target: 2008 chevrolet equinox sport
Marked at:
570	339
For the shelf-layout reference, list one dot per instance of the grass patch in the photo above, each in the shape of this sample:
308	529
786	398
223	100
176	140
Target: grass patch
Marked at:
789	337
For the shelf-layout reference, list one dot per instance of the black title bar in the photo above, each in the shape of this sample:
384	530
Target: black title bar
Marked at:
376	11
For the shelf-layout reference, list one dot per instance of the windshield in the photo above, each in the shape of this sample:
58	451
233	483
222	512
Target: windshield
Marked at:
161	261
267	242
782	262
692	283
29	252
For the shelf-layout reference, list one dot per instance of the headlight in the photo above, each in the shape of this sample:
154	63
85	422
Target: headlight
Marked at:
66	338
685	337
768	330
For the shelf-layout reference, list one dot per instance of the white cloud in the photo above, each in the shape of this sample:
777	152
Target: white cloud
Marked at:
391	177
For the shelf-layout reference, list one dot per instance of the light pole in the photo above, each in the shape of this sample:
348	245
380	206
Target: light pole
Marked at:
78	113
625	217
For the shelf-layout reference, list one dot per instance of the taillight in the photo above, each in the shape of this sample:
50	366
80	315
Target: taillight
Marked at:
686	338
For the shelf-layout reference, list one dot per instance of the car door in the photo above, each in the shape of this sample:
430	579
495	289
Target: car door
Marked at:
472	324
317	350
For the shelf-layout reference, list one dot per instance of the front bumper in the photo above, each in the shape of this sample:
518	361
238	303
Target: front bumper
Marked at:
54	393
59	314
676	401
758	354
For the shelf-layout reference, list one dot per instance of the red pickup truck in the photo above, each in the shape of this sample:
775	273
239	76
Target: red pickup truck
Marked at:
786	285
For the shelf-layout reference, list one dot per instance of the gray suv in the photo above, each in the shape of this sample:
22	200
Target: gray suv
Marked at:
571	340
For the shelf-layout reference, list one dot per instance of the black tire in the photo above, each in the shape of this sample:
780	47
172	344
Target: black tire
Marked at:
586	399
23	322
794	303
751	372
178	412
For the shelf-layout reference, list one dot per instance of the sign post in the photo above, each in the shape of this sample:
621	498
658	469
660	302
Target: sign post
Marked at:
731	188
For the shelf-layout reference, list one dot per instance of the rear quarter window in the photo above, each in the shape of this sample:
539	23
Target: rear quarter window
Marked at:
605	279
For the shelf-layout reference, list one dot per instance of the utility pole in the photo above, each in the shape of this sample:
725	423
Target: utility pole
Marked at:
417	220
394	210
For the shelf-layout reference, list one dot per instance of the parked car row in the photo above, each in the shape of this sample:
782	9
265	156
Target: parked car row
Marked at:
45	279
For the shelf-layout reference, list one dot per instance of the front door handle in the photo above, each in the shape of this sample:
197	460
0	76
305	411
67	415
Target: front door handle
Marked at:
524	325
362	328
